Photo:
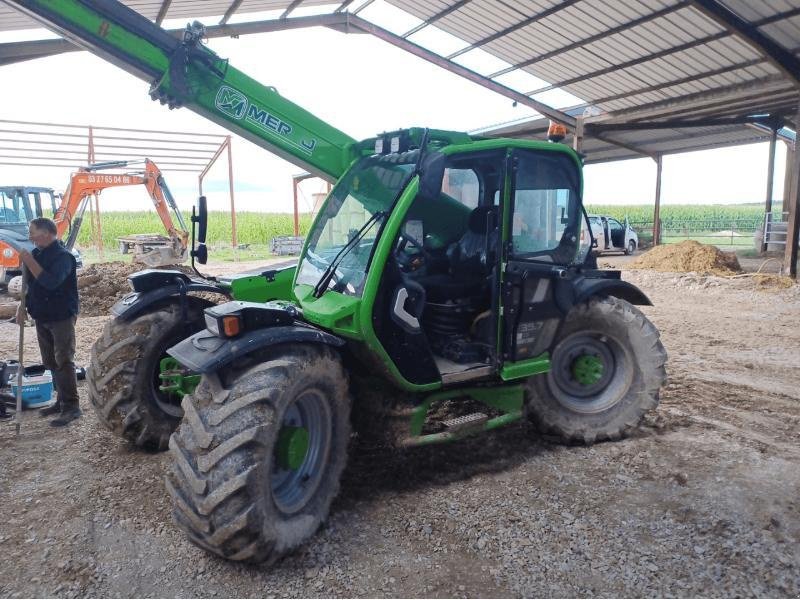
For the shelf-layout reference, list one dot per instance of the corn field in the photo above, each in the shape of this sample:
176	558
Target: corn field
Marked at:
259	228
251	227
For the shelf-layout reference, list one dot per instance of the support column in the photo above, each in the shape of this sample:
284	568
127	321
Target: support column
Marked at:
793	224
234	237
295	183
657	210
770	182
577	139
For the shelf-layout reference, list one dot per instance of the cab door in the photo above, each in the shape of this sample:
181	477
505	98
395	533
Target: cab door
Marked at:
543	225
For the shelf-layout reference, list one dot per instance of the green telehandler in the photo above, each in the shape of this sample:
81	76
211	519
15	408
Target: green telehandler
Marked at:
443	270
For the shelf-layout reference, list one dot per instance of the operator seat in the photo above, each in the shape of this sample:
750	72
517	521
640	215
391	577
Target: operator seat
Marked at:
469	265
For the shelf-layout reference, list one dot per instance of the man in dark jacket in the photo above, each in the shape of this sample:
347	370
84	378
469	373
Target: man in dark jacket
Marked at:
52	301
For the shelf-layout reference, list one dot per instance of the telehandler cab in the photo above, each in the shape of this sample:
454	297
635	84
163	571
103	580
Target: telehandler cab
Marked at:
443	268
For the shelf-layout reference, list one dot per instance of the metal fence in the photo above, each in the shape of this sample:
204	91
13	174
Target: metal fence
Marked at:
725	233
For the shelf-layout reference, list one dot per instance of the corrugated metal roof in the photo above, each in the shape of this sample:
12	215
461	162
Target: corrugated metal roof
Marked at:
631	61
11	19
652	61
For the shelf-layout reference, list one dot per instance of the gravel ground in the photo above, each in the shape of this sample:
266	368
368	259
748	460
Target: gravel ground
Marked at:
704	500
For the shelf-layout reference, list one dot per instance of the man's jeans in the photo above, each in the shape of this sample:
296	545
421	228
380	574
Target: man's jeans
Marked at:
57	345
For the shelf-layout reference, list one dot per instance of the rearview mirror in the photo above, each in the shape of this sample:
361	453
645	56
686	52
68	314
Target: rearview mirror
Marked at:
202	220
431	175
201	254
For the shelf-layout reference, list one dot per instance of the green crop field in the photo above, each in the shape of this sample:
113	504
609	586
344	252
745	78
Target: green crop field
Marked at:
718	216
251	227
257	229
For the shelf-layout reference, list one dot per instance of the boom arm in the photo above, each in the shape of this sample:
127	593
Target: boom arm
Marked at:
186	73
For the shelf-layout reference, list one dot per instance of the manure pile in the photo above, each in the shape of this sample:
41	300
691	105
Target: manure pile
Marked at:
100	285
688	256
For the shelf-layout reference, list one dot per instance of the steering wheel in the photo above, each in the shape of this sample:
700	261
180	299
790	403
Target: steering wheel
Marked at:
410	262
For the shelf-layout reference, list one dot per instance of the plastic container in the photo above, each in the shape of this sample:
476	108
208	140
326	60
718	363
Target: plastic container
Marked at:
37	390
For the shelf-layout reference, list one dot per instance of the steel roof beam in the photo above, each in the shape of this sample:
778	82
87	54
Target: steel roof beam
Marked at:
660	54
763	87
13	52
541	15
779	56
162	11
343	6
682	123
290	8
436	17
234	6
398	41
591	39
363	6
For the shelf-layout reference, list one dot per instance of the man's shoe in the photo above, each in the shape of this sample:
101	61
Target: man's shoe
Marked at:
49	411
66	418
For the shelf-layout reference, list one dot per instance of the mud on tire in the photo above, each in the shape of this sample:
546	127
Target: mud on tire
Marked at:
609	401
123	374
228	490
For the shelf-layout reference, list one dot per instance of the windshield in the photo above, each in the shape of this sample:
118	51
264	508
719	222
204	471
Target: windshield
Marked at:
12	210
357	208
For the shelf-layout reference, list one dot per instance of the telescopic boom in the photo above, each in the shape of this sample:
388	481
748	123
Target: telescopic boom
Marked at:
183	72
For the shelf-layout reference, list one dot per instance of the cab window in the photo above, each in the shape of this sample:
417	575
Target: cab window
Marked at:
546	217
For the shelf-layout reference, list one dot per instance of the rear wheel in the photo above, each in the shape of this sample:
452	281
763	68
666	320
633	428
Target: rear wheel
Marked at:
123	375
631	247
257	459
607	367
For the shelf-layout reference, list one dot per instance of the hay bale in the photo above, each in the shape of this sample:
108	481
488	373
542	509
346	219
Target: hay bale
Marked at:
688	256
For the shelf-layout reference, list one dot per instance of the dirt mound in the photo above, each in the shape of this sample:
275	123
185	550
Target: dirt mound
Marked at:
100	285
688	256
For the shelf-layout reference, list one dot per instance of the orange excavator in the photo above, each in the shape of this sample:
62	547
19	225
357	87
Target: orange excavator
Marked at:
151	249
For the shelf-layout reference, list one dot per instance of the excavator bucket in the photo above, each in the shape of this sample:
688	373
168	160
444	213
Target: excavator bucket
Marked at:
160	257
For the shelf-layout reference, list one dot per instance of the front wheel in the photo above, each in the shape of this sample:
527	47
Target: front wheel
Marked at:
124	371
257	459
630	248
607	367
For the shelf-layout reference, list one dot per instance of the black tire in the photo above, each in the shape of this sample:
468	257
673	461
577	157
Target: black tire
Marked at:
227	489
123	374
630	248
599	403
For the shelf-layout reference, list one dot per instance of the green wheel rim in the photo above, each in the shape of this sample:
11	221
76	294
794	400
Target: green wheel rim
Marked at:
587	369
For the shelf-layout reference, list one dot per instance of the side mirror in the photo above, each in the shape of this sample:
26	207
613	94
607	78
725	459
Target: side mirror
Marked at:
201	254
202	220
431	175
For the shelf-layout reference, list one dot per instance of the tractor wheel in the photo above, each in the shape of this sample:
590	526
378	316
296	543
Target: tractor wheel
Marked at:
123	375
607	367
630	248
257	459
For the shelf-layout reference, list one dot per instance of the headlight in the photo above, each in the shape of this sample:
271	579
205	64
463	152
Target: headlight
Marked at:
8	253
224	326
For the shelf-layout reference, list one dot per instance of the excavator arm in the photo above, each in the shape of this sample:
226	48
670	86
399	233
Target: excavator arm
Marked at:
183	72
89	181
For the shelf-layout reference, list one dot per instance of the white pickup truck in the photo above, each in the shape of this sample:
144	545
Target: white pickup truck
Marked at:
612	236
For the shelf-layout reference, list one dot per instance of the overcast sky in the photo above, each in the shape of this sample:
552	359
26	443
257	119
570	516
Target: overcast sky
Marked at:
355	82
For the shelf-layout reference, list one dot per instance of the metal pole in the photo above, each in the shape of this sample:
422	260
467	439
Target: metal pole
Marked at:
793	224
295	183
770	182
577	139
230	189
657	210
20	357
